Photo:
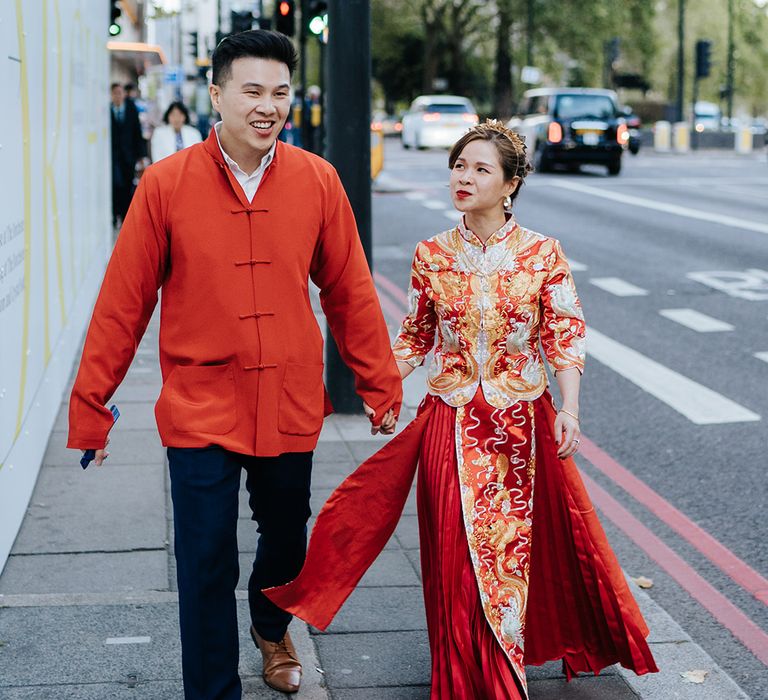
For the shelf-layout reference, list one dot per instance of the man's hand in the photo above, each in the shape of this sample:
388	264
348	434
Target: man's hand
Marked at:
387	424
101	455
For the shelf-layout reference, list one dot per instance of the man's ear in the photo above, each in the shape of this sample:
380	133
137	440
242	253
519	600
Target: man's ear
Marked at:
215	92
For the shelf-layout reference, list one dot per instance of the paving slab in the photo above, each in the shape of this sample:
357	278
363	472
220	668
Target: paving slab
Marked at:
391	568
407	532
587	688
412	692
118	507
91	572
374	660
554	670
381	610
38	653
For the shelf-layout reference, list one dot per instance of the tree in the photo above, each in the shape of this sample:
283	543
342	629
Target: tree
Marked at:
502	84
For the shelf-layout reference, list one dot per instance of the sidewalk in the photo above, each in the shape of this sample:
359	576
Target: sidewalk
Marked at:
88	606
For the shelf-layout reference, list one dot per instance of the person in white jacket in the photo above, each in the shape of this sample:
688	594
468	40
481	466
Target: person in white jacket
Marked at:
175	134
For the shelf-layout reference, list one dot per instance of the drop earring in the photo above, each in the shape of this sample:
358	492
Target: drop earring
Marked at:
507	202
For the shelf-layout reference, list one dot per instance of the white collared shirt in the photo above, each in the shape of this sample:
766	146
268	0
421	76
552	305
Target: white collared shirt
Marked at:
249	183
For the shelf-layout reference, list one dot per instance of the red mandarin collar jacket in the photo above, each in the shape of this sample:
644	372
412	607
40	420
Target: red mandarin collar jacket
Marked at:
240	350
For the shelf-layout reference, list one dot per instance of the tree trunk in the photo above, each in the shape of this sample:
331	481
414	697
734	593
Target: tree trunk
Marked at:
502	88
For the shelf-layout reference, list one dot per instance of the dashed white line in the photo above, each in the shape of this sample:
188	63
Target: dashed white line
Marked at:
618	287
576	266
697	403
762	356
433	204
710	217
452	214
128	640
415	196
696	321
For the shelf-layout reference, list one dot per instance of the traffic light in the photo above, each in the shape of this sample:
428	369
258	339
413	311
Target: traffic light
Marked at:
192	44
317	20
114	14
703	58
242	21
285	19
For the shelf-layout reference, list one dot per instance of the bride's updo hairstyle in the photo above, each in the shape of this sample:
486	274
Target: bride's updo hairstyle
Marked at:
509	145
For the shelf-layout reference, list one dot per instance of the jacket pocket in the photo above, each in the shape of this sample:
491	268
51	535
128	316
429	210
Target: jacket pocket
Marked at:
300	411
202	399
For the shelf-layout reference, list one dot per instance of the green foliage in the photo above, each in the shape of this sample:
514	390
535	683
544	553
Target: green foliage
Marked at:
457	40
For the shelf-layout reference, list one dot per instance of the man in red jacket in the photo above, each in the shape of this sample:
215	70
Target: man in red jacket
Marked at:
232	230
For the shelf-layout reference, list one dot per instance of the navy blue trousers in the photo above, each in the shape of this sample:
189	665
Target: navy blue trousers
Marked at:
205	483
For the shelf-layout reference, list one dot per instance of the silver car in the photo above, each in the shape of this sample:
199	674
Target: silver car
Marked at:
437	121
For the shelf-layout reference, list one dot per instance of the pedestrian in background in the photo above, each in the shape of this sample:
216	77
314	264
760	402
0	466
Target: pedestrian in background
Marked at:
128	149
233	229
174	134
512	574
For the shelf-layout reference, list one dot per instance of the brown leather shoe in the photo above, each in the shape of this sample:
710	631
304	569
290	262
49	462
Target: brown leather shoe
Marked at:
282	670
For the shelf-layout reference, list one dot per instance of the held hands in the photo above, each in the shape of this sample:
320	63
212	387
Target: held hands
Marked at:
101	455
387	424
567	434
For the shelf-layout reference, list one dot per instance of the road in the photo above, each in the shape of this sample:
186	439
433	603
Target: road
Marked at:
671	263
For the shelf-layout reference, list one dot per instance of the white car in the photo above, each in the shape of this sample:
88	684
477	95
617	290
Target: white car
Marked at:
437	121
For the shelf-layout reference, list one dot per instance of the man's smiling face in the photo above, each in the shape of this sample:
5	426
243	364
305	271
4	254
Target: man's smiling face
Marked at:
254	102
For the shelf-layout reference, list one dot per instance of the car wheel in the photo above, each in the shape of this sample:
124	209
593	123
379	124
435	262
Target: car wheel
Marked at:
614	167
541	162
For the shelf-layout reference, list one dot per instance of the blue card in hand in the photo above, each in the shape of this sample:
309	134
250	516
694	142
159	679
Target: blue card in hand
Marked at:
90	455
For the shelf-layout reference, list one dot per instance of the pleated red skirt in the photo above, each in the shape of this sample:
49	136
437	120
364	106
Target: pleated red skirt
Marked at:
467	661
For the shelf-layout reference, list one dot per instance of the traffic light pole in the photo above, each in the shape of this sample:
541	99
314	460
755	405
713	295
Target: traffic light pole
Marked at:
348	132
305	117
680	107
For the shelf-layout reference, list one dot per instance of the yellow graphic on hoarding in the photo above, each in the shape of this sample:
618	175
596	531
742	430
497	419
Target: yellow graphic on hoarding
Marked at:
27	176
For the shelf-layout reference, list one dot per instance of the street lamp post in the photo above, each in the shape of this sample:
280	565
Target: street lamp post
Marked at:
348	130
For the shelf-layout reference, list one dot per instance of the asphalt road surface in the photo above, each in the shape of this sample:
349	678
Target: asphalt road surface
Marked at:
671	264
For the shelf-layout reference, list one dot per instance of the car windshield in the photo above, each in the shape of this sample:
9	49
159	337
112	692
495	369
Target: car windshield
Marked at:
448	108
584	107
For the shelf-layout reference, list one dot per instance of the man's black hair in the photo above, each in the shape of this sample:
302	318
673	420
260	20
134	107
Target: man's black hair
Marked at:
256	43
115	85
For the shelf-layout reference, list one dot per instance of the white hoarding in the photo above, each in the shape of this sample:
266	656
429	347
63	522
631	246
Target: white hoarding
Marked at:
54	220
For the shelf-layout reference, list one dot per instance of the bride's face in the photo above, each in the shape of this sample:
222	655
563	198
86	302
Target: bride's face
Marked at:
477	178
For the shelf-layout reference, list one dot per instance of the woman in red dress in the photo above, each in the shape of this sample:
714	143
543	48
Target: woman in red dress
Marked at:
515	566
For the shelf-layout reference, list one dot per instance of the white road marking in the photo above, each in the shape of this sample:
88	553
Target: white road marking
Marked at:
696	321
751	284
618	287
697	403
415	196
710	217
576	266
433	204
128	640
762	356
452	214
